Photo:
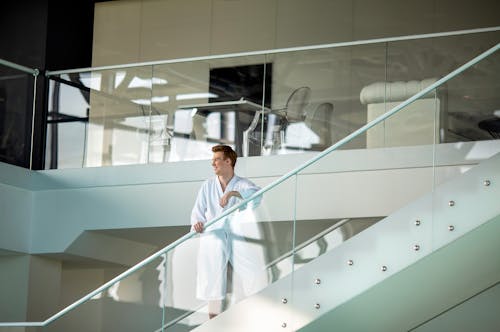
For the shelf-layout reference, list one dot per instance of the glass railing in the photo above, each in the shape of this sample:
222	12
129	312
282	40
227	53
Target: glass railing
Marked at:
281	239
17	97
261	103
268	246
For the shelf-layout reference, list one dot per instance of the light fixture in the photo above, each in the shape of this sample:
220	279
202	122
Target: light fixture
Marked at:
93	81
145	102
119	77
195	95
160	99
138	82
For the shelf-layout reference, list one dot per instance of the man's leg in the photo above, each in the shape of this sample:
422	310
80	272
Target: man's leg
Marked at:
214	308
212	269
248	262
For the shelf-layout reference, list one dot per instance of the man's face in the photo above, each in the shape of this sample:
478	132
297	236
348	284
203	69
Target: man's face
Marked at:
221	166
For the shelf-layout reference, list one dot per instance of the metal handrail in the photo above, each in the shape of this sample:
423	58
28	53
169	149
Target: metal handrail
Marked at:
259	193
278	50
22	68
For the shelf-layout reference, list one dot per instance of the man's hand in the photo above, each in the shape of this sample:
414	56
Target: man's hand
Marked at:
198	227
225	198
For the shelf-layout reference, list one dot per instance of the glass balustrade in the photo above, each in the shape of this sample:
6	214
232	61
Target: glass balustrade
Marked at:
473	123
162	295
376	187
293	101
425	185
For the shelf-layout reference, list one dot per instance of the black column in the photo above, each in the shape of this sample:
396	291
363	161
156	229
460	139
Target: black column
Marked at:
42	34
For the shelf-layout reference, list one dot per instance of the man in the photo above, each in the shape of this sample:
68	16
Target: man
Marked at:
217	245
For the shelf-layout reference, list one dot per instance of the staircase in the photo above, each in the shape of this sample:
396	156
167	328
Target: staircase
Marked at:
429	258
400	273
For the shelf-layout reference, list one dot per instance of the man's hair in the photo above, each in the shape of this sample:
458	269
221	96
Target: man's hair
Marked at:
227	151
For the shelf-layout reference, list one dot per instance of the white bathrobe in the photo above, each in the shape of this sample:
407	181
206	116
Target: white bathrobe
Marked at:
219	243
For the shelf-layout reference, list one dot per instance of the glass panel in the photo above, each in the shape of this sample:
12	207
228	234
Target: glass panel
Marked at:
412	66
65	145
67	121
404	78
374	196
120	117
16	107
466	192
116	104
203	103
472	99
132	304
415	126
315	98
312	99
257	241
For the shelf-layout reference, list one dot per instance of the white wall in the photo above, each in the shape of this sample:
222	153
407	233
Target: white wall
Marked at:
146	30
14	278
15	219
354	183
16	201
29	287
44	287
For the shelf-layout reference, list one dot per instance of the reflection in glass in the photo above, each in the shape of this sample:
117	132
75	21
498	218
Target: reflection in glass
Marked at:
320	90
211	102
